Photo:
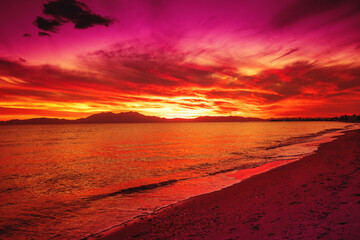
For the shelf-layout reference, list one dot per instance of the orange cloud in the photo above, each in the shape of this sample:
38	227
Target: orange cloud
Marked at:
163	82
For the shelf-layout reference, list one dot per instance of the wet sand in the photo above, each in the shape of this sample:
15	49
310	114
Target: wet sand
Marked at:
317	197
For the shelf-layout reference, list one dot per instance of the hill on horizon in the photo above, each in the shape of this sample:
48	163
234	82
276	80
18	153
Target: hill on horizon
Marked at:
127	117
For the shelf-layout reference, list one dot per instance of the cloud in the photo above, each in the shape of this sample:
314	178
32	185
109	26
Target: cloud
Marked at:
44	34
299	10
128	80
162	71
49	25
150	64
33	112
309	81
63	11
45	78
287	53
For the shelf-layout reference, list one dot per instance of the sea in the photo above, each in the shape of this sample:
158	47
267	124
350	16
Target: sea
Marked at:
72	181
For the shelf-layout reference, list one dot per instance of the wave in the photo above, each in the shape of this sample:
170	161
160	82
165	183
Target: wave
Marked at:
302	139
133	189
239	155
248	165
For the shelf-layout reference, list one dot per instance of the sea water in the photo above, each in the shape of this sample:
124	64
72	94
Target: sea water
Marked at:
71	181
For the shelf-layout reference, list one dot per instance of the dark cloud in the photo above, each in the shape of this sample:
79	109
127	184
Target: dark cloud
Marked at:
49	25
63	11
27	35
301	9
44	34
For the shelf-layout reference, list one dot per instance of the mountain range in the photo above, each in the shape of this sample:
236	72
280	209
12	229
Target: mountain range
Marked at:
127	117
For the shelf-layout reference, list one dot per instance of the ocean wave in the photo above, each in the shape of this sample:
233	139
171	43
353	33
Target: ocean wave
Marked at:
302	139
133	189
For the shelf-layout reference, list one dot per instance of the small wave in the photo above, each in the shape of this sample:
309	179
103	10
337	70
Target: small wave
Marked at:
133	189
239	167
13	189
302	139
152	186
236	153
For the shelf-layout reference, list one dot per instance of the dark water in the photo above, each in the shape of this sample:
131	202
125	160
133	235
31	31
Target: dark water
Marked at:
70	181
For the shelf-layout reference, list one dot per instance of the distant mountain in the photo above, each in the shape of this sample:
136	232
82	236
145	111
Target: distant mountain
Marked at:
126	117
36	121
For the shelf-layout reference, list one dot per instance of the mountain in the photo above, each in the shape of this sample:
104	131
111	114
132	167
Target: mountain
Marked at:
36	121
126	117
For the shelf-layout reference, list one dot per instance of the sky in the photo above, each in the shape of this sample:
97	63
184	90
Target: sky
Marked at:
179	58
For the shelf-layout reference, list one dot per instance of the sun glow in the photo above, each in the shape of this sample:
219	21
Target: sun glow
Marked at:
250	71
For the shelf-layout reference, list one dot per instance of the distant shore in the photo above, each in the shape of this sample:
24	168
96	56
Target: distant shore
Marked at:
135	117
317	197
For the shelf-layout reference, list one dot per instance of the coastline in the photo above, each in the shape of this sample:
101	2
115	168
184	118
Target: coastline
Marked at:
302	199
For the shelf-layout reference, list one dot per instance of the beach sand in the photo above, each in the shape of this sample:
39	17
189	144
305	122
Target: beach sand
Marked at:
317	197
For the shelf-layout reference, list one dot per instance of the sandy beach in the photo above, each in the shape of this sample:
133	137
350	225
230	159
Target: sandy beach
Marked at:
317	197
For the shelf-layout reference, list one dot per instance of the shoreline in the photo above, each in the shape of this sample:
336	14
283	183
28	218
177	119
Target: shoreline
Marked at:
169	222
239	175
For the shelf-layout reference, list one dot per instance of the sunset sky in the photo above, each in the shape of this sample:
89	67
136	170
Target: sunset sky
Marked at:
179	58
